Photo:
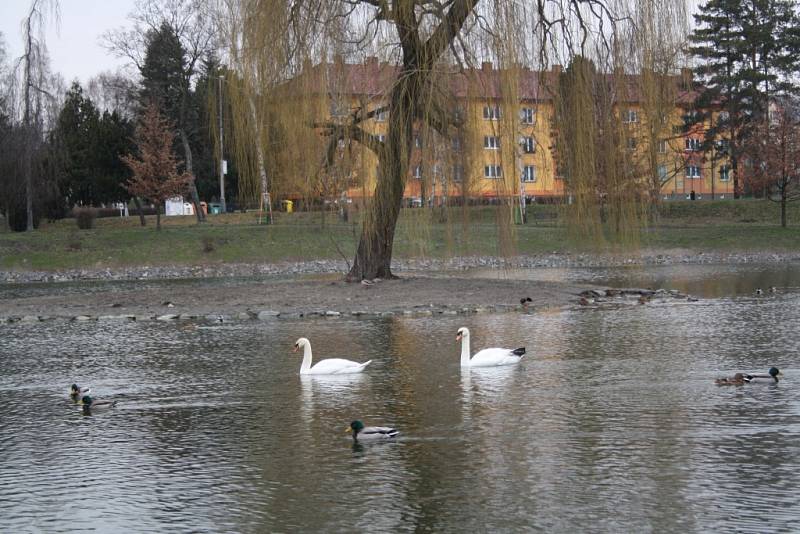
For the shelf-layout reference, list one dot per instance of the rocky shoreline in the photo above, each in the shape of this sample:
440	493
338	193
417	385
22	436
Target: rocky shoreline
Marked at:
554	260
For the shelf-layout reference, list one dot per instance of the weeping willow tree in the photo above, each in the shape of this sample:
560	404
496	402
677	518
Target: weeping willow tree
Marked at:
306	122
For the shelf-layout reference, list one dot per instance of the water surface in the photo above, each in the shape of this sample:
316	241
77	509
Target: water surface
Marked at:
611	423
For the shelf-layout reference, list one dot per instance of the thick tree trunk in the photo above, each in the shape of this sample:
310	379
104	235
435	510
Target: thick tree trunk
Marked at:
139	209
187	150
374	254
158	216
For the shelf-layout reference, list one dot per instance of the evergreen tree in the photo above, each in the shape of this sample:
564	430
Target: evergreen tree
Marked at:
166	76
748	51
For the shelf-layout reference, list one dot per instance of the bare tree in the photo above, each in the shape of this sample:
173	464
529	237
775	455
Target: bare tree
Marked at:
773	155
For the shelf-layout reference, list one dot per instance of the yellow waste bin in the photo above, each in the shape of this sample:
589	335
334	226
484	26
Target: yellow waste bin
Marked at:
288	206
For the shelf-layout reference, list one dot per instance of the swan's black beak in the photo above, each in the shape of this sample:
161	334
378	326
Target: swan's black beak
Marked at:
458	336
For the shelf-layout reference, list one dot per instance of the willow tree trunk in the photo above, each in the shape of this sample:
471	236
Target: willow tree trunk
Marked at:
374	254
187	150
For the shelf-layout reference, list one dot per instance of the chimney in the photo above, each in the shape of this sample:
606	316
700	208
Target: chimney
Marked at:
371	60
486	66
307	65
557	69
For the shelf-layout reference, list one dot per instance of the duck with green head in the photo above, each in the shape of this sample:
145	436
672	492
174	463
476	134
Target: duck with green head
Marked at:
93	406
773	376
75	392
361	432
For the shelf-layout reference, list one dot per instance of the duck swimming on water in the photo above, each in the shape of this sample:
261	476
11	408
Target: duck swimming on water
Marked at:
75	392
772	376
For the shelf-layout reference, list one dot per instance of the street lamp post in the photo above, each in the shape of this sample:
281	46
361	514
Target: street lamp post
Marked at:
221	153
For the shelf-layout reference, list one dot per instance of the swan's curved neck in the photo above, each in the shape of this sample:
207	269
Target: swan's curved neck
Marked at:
464	350
306	365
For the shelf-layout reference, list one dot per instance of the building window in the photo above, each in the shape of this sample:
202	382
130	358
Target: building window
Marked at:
528	144
661	170
527	115
381	116
491	113
692	171
493	171
418	172
458	173
380	137
662	147
722	146
630	143
724	173
528	173
693	144
491	142
456	142
418	141
723	117
630	115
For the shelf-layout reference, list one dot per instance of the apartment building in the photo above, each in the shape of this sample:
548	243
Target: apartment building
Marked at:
504	144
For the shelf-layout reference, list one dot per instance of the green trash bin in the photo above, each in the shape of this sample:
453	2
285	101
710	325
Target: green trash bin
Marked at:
216	209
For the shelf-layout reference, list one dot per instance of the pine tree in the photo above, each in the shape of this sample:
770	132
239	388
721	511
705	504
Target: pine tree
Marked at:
748	51
155	171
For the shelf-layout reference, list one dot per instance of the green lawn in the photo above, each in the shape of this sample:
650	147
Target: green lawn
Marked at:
747	225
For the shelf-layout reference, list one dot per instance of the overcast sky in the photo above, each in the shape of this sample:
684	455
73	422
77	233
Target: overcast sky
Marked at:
74	45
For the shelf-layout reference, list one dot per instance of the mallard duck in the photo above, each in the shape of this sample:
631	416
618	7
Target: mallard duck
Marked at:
90	405
747	378
759	291
331	366
75	392
371	432
486	357
735	380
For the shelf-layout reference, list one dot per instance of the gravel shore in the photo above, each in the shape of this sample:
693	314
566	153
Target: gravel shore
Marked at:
316	288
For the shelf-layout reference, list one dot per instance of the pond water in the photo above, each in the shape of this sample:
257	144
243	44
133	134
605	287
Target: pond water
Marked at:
611	423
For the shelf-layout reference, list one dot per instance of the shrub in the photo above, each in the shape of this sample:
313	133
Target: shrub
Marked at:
85	218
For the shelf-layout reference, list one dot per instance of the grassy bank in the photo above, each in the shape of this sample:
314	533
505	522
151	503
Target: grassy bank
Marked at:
723	226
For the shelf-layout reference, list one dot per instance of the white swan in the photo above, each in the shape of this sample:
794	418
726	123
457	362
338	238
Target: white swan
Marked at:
486	357
332	366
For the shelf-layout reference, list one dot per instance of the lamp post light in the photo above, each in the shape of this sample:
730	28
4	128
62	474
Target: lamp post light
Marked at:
221	153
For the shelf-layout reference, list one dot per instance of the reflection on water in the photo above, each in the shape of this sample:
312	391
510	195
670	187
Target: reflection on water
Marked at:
702	280
610	423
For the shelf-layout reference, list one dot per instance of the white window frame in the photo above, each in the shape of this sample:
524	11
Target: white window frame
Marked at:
492	113
630	116
456	143
417	172
693	172
661	172
493	171
528	144
693	144
381	116
724	173
380	137
527	115
528	174
491	142
662	146
631	143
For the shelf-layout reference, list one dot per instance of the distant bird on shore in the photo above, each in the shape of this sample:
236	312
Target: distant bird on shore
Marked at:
486	357
584	301
92	406
759	291
331	366
773	289
361	432
739	379
525	301
75	392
